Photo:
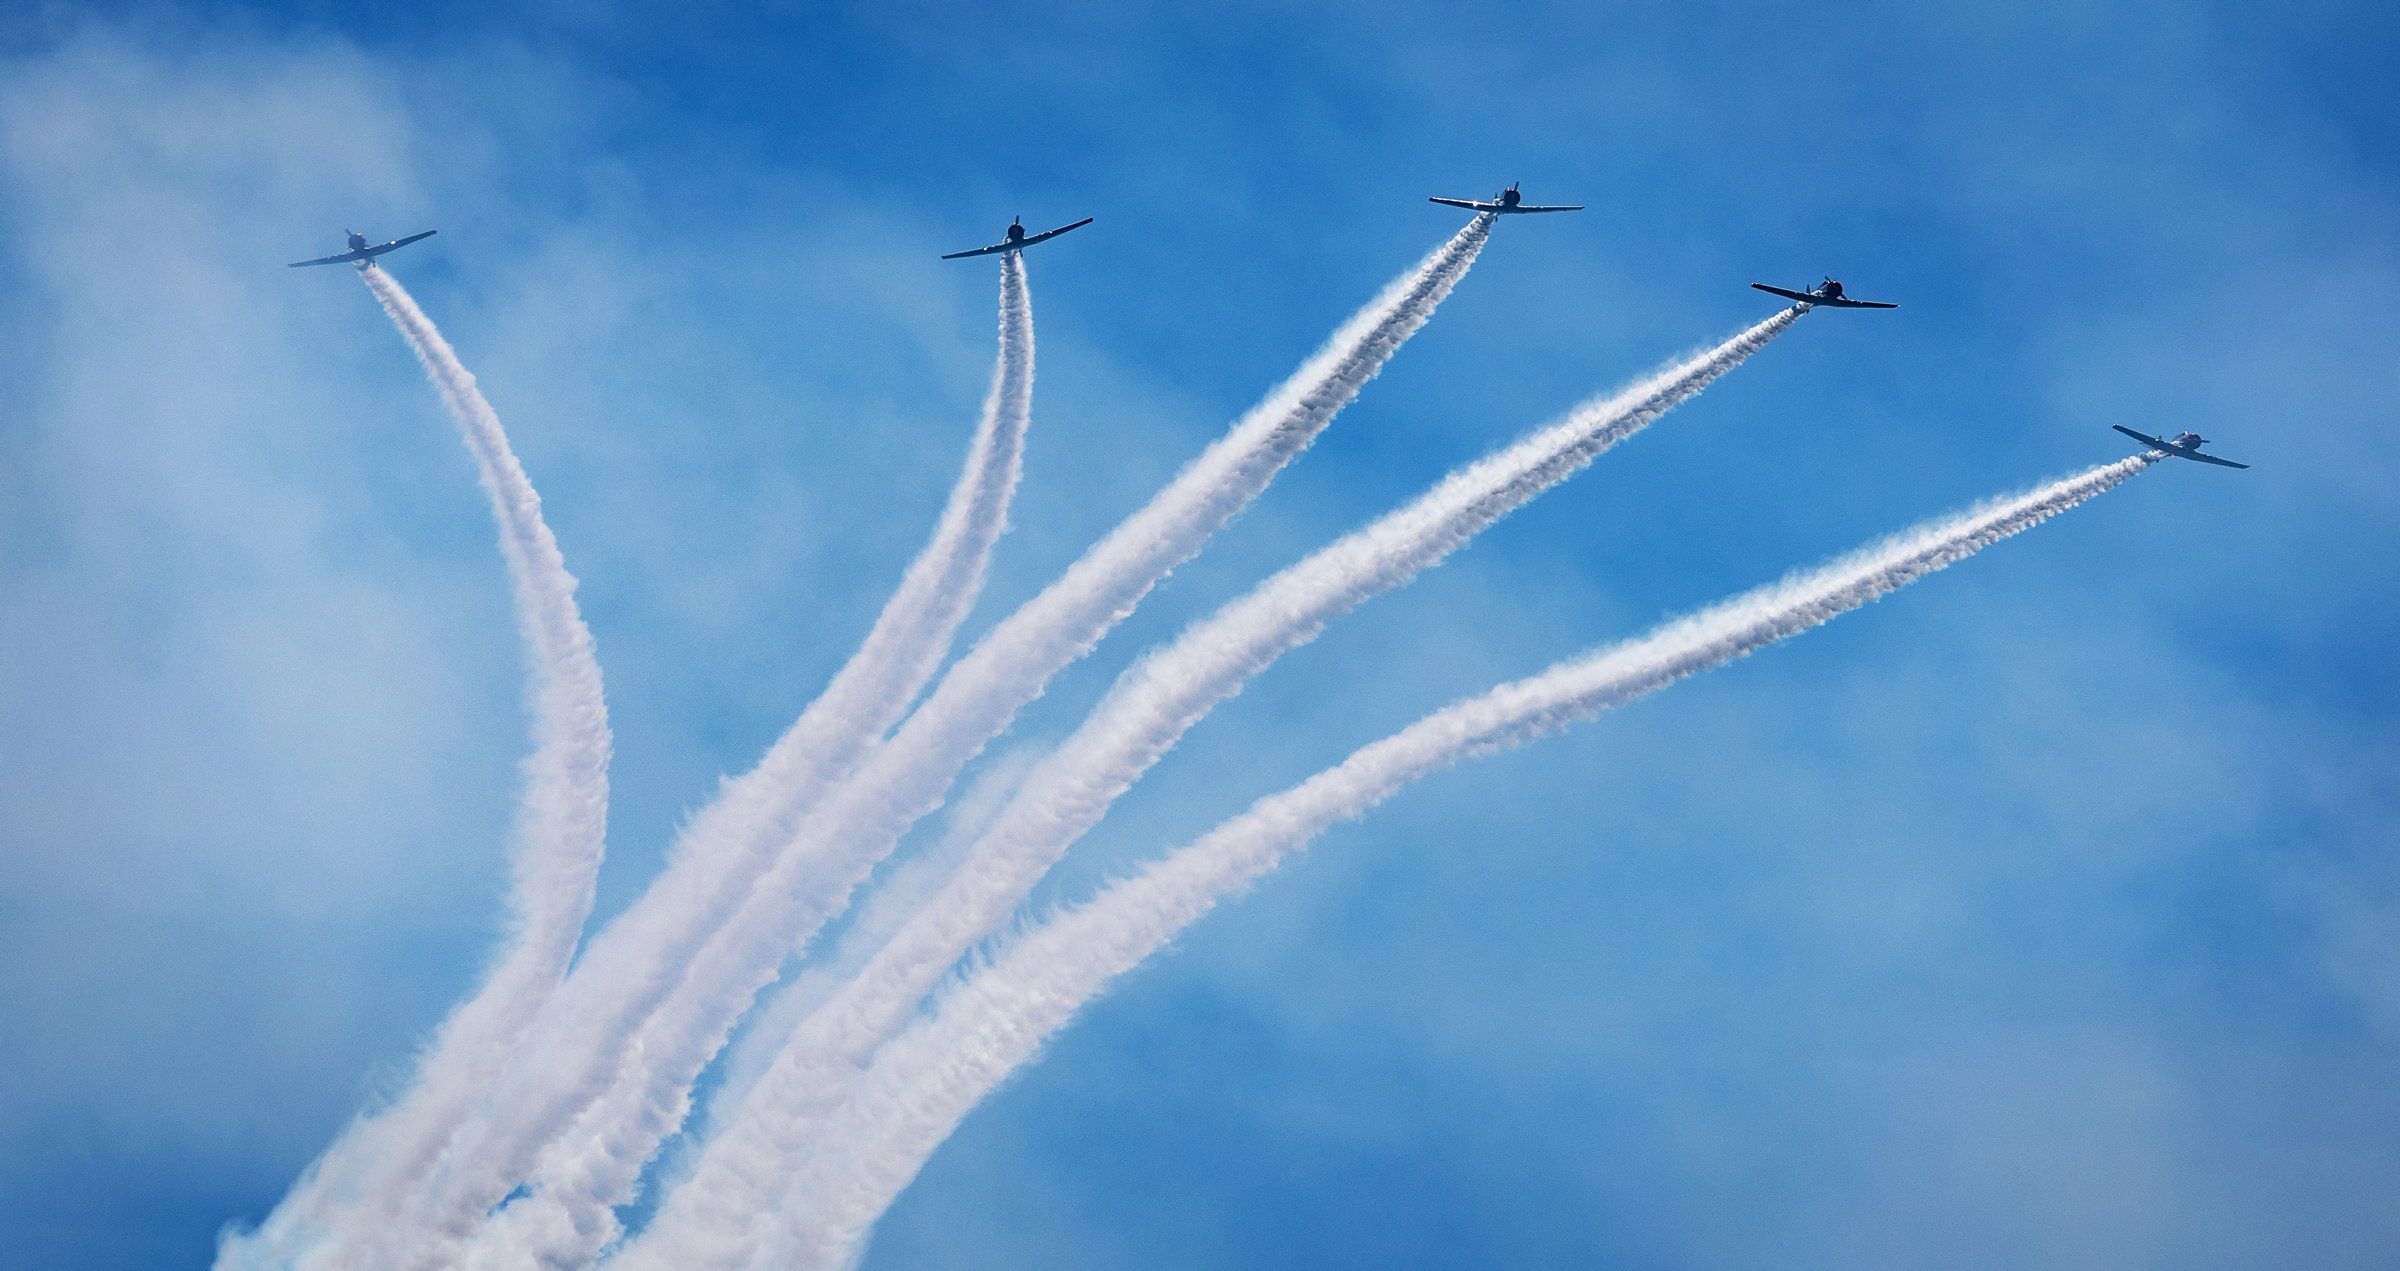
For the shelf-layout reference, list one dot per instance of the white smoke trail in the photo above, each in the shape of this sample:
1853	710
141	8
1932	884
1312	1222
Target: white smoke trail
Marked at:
715	1218
926	1080
766	1029
911	882
873	923
617	1080
719	855
560	833
535	1228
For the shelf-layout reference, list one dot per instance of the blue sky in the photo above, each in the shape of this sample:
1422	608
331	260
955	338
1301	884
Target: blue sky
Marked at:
2042	915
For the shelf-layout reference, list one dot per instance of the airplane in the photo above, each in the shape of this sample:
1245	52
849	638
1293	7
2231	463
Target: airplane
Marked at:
1018	240
1828	293
360	252
2183	445
1506	203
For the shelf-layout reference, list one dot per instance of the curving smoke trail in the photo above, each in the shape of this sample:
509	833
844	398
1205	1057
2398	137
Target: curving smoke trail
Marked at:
722	851
715	1217
927	1079
561	829
872	924
616	1078
911	882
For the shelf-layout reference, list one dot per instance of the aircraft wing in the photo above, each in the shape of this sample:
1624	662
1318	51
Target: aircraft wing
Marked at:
1048	234
1830	302
1547	207
1469	204
403	242
343	259
1027	241
2180	452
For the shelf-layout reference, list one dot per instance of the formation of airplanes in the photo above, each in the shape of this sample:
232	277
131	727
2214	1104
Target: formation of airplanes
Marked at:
1509	202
